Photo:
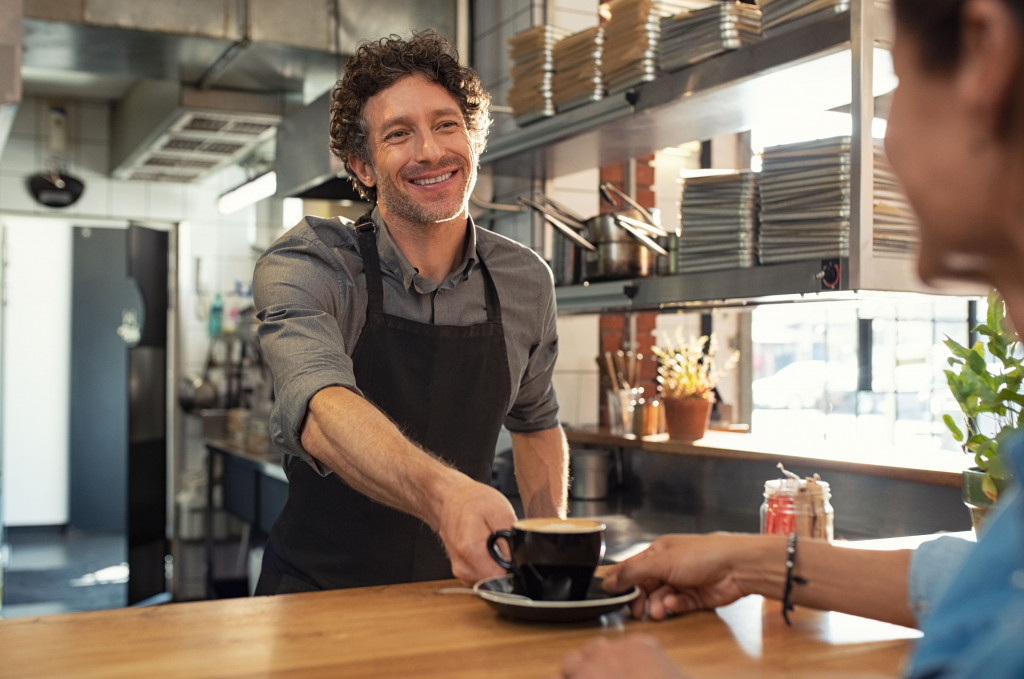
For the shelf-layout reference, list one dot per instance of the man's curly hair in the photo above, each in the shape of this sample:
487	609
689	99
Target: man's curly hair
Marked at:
379	64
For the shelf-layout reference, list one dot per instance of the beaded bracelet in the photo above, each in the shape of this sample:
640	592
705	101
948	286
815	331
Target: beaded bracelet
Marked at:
787	605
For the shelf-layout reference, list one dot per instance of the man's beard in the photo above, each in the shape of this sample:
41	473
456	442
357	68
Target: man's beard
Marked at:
402	205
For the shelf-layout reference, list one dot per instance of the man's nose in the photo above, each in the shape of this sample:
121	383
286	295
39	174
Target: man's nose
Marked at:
430	147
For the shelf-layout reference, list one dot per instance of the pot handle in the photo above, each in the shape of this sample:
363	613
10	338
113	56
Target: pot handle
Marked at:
567	230
647	228
608	186
644	239
607	196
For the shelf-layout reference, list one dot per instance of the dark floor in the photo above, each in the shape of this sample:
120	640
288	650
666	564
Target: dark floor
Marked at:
52	570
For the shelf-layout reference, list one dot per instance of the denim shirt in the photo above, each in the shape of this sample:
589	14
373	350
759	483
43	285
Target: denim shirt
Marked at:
976	627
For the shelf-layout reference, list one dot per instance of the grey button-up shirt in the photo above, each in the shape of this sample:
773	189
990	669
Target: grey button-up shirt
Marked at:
310	295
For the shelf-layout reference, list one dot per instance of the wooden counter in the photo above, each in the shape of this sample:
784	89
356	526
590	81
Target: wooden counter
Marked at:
415	631
942	468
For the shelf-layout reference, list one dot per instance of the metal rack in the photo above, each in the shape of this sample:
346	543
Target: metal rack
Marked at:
839	62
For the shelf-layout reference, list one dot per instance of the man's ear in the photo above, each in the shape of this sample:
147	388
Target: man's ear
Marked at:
991	60
363	170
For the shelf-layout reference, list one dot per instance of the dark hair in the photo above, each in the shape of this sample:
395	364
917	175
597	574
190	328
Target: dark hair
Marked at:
937	28
378	65
937	25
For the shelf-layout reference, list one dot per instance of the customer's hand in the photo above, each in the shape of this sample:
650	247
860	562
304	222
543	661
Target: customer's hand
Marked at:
635	655
468	517
681	573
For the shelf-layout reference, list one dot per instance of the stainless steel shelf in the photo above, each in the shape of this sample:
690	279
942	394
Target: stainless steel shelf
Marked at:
759	284
805	69
831	64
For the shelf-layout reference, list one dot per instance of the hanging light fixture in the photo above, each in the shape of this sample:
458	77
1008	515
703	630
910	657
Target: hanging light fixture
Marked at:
54	187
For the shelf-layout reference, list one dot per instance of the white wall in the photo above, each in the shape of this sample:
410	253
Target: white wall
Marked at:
221	242
36	377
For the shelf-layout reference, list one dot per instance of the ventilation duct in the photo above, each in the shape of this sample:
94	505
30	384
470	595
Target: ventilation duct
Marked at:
168	132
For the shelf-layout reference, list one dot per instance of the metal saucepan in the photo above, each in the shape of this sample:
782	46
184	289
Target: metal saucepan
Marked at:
618	249
619	259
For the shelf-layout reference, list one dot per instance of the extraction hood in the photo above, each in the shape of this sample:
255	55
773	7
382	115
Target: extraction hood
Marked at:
168	132
305	166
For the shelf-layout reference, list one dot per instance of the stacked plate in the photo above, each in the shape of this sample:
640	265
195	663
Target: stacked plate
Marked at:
805	201
578	75
631	38
689	37
895	226
784	15
806	208
533	66
719	223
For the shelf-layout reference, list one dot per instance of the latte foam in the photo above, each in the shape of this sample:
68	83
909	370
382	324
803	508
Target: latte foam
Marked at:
552	525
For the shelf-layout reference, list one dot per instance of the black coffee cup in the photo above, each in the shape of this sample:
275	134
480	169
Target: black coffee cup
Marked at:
553	559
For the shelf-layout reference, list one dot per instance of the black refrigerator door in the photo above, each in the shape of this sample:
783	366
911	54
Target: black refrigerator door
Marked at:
118	466
147	418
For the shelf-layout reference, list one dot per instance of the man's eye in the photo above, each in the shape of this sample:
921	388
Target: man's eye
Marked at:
397	134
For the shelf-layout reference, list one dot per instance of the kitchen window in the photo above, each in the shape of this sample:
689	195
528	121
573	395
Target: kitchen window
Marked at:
869	371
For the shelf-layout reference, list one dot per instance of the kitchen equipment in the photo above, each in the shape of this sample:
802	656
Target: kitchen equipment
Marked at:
590	471
606	187
568	257
614	247
197	393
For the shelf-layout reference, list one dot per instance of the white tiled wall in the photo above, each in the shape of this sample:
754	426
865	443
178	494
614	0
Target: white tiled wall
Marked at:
576	378
221	241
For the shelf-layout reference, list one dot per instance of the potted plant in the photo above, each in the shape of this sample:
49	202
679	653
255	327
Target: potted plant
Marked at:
985	380
687	376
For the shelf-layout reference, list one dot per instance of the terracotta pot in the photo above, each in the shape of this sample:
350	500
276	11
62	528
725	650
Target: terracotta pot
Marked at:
687	418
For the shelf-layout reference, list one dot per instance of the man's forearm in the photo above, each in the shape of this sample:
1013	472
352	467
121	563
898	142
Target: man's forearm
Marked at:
542	471
360	444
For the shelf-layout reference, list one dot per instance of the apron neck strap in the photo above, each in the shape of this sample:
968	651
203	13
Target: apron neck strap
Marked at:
366	231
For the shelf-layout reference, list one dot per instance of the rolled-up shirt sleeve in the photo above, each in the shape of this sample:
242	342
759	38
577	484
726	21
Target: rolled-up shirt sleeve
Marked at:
932	566
298	294
536	405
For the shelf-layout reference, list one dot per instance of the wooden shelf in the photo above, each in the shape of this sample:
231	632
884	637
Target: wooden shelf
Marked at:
941	468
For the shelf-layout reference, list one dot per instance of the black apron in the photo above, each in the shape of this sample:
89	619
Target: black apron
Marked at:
447	387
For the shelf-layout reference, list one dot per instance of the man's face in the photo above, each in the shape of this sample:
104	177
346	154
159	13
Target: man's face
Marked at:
423	161
928	141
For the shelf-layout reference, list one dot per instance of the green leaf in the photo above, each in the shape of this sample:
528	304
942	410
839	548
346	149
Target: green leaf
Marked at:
958	435
988	486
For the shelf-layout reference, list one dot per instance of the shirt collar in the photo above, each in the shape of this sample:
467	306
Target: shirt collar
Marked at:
394	261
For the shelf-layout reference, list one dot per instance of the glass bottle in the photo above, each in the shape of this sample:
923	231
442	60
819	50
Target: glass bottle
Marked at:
797	505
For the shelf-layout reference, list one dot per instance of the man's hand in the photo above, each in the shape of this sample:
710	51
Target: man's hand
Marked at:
468	516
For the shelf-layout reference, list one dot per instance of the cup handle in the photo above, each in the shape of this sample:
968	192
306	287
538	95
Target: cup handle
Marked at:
492	547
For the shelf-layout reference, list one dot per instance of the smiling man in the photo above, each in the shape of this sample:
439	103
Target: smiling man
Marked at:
402	343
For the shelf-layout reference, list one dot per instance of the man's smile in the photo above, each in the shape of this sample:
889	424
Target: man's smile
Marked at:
433	180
